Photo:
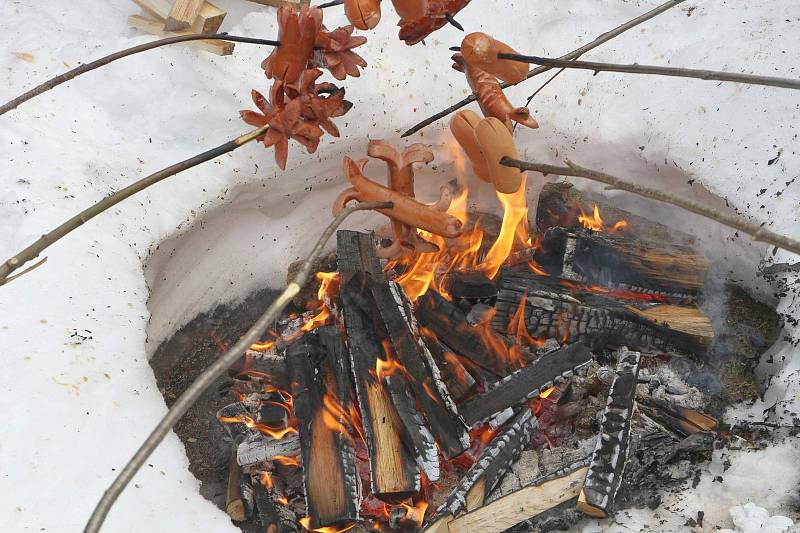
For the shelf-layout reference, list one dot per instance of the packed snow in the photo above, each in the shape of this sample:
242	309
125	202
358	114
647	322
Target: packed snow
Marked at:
78	396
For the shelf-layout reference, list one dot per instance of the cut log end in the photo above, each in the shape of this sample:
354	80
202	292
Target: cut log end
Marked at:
588	509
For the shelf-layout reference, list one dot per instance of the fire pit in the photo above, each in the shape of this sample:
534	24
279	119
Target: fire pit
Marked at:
485	382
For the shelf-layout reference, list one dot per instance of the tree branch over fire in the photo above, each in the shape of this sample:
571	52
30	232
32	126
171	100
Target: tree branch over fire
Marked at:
571	55
209	375
756	231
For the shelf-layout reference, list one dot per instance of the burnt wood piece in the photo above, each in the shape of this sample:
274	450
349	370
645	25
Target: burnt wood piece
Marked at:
526	383
680	420
273	513
490	467
394	475
560	203
470	285
479	344
457	379
553	309
610	455
273	412
259	448
234	502
267	367
673	272
330	487
237	431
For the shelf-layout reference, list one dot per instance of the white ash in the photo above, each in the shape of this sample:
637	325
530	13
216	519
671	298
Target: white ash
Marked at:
670	382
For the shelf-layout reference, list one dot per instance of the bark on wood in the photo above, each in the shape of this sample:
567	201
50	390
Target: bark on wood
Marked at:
394	475
610	455
527	382
153	27
182	14
482	346
329	477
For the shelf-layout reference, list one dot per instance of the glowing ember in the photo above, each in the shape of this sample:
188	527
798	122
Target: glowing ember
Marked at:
306	523
275	433
595	222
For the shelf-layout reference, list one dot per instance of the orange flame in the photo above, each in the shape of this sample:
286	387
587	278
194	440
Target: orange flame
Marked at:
285	460
415	511
266	480
595	222
389	366
275	433
546	393
518	329
306	523
515	210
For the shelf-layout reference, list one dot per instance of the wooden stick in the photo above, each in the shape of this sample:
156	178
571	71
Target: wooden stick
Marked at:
756	231
572	55
33	251
88	67
678	72
209	375
234	504
182	14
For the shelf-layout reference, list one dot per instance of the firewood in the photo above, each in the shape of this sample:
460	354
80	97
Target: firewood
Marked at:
491	466
608	461
526	383
234	504
457	379
260	448
153	27
182	14
680	420
208	20
275	516
393	473
329	475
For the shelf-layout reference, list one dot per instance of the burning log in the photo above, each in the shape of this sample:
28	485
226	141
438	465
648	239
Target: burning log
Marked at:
610	455
456	378
234	503
232	417
494	462
273	513
620	261
479	344
579	314
680	420
394	475
523	504
260	448
330	479
526	383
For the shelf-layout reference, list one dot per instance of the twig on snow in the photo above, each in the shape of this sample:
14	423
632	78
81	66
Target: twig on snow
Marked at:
33	251
756	231
572	55
207	377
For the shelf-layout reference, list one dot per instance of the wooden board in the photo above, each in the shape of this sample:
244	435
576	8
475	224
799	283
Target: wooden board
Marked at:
208	20
183	14
154	27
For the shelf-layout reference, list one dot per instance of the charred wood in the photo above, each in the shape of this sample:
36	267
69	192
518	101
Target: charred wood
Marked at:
273	513
233	417
526	383
470	285
610	455
234	502
259	448
679	420
456	378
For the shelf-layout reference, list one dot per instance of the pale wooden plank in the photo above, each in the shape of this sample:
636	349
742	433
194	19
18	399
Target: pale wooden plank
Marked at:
158	9
209	19
154	27
183	14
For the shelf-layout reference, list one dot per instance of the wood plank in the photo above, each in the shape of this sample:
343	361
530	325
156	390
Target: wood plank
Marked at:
520	505
157	9
153	27
208	20
183	14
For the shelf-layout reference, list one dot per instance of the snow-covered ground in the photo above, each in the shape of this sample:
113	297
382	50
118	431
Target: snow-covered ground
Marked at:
77	393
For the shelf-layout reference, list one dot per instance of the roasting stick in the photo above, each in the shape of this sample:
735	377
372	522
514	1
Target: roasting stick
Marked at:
756	231
714	75
571	55
209	375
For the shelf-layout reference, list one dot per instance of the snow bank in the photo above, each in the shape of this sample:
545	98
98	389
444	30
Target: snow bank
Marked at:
77	392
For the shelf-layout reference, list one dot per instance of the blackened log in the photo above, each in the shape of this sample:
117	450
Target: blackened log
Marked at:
620	261
267	367
273	513
272	411
479	344
393	473
610	455
456	377
470	285
527	382
331	488
234	503
259	448
553	309
680	420
237	431
490	467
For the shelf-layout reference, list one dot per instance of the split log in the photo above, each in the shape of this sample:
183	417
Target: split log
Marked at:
273	513
679	420
266	367
330	479
234	503
608	461
182	14
470	285
479	344
523	504
526	383
154	27
621	261
260	448
208	20
393	473
455	376
552	310
492	465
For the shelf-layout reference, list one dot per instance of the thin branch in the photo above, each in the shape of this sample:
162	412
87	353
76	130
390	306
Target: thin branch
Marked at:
83	69
330	4
33	251
34	266
677	72
572	55
207	377
756	231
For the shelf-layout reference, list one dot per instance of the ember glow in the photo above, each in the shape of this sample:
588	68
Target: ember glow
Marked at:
595	222
275	433
306	523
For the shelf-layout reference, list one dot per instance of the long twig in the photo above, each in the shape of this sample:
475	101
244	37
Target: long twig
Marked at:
33	251
87	67
756	231
572	55
677	72
207	377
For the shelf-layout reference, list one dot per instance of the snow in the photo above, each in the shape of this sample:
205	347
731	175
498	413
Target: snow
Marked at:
77	393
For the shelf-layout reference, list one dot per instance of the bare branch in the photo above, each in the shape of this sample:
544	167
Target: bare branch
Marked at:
572	55
756	231
661	71
207	377
83	69
33	251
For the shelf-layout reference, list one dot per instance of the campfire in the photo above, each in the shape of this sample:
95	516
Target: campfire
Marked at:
472	382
